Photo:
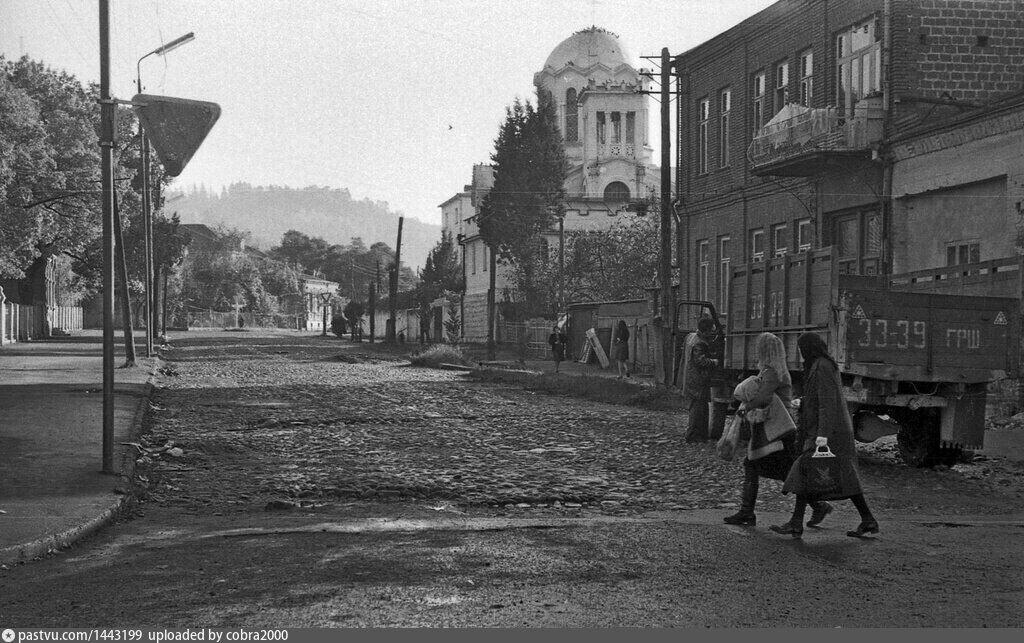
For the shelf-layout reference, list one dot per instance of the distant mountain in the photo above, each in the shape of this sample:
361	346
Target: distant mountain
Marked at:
331	214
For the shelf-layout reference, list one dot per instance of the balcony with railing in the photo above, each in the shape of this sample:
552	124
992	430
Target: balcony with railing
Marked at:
801	141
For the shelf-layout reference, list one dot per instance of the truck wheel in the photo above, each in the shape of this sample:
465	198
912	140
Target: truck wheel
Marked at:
915	446
920	446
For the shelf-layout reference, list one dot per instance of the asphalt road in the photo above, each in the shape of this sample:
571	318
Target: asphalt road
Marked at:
288	481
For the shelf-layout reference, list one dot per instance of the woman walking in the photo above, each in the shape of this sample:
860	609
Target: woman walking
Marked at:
824	421
620	348
557	340
772	449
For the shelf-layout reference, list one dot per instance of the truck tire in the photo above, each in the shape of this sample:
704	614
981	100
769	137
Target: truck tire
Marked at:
919	444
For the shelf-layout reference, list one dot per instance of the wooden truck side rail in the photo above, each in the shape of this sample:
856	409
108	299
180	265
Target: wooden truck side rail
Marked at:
787	295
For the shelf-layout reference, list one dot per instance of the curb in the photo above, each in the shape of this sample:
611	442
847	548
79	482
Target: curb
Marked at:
40	547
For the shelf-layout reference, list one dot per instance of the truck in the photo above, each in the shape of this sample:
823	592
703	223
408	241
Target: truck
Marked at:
916	351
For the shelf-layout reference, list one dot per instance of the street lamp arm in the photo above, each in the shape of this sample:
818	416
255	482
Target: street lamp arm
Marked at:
160	51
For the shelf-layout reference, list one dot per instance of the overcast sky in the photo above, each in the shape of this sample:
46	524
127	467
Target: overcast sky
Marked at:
393	100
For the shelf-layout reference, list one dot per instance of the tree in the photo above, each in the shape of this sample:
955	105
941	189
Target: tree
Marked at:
529	179
49	165
218	276
619	263
528	194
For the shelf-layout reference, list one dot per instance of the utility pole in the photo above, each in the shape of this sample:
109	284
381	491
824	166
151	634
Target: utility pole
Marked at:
107	179
373	307
665	265
121	266
491	312
393	291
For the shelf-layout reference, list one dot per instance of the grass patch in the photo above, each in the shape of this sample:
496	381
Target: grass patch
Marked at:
437	354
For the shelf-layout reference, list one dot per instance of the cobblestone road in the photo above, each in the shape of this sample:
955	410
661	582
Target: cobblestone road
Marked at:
268	422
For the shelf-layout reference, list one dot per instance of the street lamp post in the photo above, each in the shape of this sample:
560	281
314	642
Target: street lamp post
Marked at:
147	220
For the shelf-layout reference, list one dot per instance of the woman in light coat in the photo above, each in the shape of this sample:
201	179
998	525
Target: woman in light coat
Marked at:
771	450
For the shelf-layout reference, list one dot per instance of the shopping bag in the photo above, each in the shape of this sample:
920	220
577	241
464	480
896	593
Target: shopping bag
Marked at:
821	472
726	446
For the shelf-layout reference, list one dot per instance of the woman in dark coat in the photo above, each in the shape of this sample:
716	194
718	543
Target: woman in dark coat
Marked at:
557	340
824	420
768	455
620	348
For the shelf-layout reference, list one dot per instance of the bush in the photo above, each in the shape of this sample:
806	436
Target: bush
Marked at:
438	354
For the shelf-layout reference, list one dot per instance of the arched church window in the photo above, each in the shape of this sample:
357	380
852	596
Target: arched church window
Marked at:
571	116
616	192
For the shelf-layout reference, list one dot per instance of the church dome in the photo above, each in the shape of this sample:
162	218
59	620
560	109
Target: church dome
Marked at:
587	48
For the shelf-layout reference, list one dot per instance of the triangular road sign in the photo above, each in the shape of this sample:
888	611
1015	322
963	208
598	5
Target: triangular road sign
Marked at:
176	126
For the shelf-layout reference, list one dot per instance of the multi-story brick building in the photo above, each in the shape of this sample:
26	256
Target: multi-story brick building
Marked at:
887	129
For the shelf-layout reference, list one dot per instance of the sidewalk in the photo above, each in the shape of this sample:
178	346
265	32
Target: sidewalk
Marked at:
52	488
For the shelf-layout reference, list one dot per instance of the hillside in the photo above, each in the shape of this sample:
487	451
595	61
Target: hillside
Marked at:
331	214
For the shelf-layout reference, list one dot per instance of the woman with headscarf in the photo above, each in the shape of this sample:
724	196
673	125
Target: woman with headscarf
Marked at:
771	450
824	421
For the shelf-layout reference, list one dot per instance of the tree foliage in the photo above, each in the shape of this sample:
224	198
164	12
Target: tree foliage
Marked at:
49	164
353	266
528	193
529	179
220	274
619	263
441	272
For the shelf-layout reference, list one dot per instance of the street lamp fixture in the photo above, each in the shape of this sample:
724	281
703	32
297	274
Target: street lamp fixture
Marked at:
147	219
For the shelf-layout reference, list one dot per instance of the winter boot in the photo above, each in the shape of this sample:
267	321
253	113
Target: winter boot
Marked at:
745	516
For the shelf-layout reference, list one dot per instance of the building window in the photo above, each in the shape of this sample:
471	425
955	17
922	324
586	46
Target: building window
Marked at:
630	128
807	78
703	114
472	261
859	60
703	262
781	85
724	274
616	127
571	116
759	88
961	252
803	235
725	105
600	128
487	259
780	240
757	245
858	242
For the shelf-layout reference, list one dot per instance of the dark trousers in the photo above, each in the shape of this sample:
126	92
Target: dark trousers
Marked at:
697	427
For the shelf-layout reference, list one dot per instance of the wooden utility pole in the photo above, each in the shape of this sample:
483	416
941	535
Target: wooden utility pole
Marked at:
491	304
121	265
393	290
373	307
665	265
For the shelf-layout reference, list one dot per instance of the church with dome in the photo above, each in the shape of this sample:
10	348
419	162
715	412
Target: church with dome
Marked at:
604	122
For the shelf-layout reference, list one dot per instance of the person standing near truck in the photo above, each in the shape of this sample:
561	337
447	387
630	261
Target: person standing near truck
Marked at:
698	366
824	421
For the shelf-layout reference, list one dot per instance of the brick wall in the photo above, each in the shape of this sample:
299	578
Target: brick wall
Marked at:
968	50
